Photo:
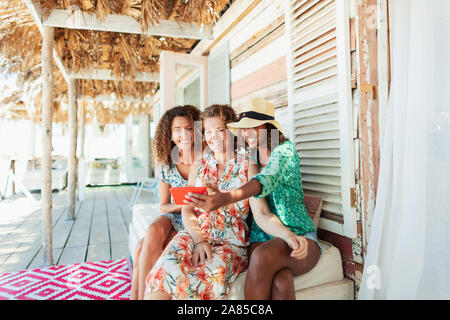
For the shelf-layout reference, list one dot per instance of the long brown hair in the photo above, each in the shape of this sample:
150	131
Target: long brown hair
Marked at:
224	112
163	144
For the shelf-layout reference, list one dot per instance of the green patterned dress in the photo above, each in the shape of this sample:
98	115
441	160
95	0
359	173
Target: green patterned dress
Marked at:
282	187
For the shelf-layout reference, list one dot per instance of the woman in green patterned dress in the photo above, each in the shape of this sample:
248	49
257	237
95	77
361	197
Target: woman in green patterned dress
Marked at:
283	237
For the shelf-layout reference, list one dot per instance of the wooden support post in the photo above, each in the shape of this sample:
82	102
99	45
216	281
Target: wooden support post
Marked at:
128	148
46	165
72	180
81	160
81	130
145	125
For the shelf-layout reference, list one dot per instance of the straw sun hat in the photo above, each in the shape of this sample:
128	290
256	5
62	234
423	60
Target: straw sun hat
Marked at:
255	112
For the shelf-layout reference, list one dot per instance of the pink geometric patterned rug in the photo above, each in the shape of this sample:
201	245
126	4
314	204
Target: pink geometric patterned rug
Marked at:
105	280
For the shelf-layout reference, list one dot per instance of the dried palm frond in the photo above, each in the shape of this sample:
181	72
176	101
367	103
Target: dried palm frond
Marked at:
87	5
131	8
103	9
169	8
84	50
109	112
151	12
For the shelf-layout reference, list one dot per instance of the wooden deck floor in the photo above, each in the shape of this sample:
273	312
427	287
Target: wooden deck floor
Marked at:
99	231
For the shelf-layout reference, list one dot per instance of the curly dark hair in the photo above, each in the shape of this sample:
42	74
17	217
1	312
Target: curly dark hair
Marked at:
162	143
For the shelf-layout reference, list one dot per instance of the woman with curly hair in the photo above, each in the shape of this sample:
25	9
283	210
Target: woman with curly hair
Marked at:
177	145
202	261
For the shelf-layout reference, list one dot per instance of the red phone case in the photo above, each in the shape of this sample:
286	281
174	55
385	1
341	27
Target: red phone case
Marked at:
179	193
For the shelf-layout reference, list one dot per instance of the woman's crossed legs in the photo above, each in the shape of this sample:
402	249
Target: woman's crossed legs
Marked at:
271	269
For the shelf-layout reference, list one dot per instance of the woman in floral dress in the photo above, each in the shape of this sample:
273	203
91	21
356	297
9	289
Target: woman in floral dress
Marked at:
283	237
176	135
202	261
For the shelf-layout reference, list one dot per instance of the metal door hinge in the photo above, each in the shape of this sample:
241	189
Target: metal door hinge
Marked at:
353	197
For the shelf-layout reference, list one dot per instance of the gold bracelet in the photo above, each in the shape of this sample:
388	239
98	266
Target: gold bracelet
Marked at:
196	244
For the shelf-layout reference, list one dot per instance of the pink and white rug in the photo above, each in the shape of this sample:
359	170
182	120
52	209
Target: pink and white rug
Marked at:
105	280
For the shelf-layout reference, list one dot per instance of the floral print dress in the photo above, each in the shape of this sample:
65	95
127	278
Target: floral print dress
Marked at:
170	174
225	229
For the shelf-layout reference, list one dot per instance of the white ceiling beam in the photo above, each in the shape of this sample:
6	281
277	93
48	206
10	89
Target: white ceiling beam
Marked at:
60	65
234	15
112	98
35	11
125	24
105	74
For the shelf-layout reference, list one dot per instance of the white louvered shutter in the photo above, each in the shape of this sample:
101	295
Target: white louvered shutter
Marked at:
219	75
319	93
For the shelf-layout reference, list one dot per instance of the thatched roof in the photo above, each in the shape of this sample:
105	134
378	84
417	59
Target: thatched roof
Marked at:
123	54
146	12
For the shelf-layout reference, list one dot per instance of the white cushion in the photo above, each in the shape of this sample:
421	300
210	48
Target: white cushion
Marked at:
328	269
133	239
144	215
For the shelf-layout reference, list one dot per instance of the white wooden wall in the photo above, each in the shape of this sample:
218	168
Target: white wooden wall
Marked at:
252	76
219	75
244	73
320	104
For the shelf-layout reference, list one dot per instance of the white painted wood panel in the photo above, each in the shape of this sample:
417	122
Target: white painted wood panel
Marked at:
312	12
348	179
259	59
260	17
226	28
168	61
326	135
316	92
326	108
321	189
322	118
319	145
319	96
324	40
219	75
328	171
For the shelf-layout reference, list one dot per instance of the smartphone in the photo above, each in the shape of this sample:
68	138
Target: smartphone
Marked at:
179	193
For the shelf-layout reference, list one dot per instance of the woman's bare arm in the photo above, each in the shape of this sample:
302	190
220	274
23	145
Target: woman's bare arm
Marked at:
165	205
216	199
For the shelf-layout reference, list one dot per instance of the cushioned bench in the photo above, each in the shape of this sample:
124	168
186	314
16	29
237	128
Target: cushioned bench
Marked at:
324	281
